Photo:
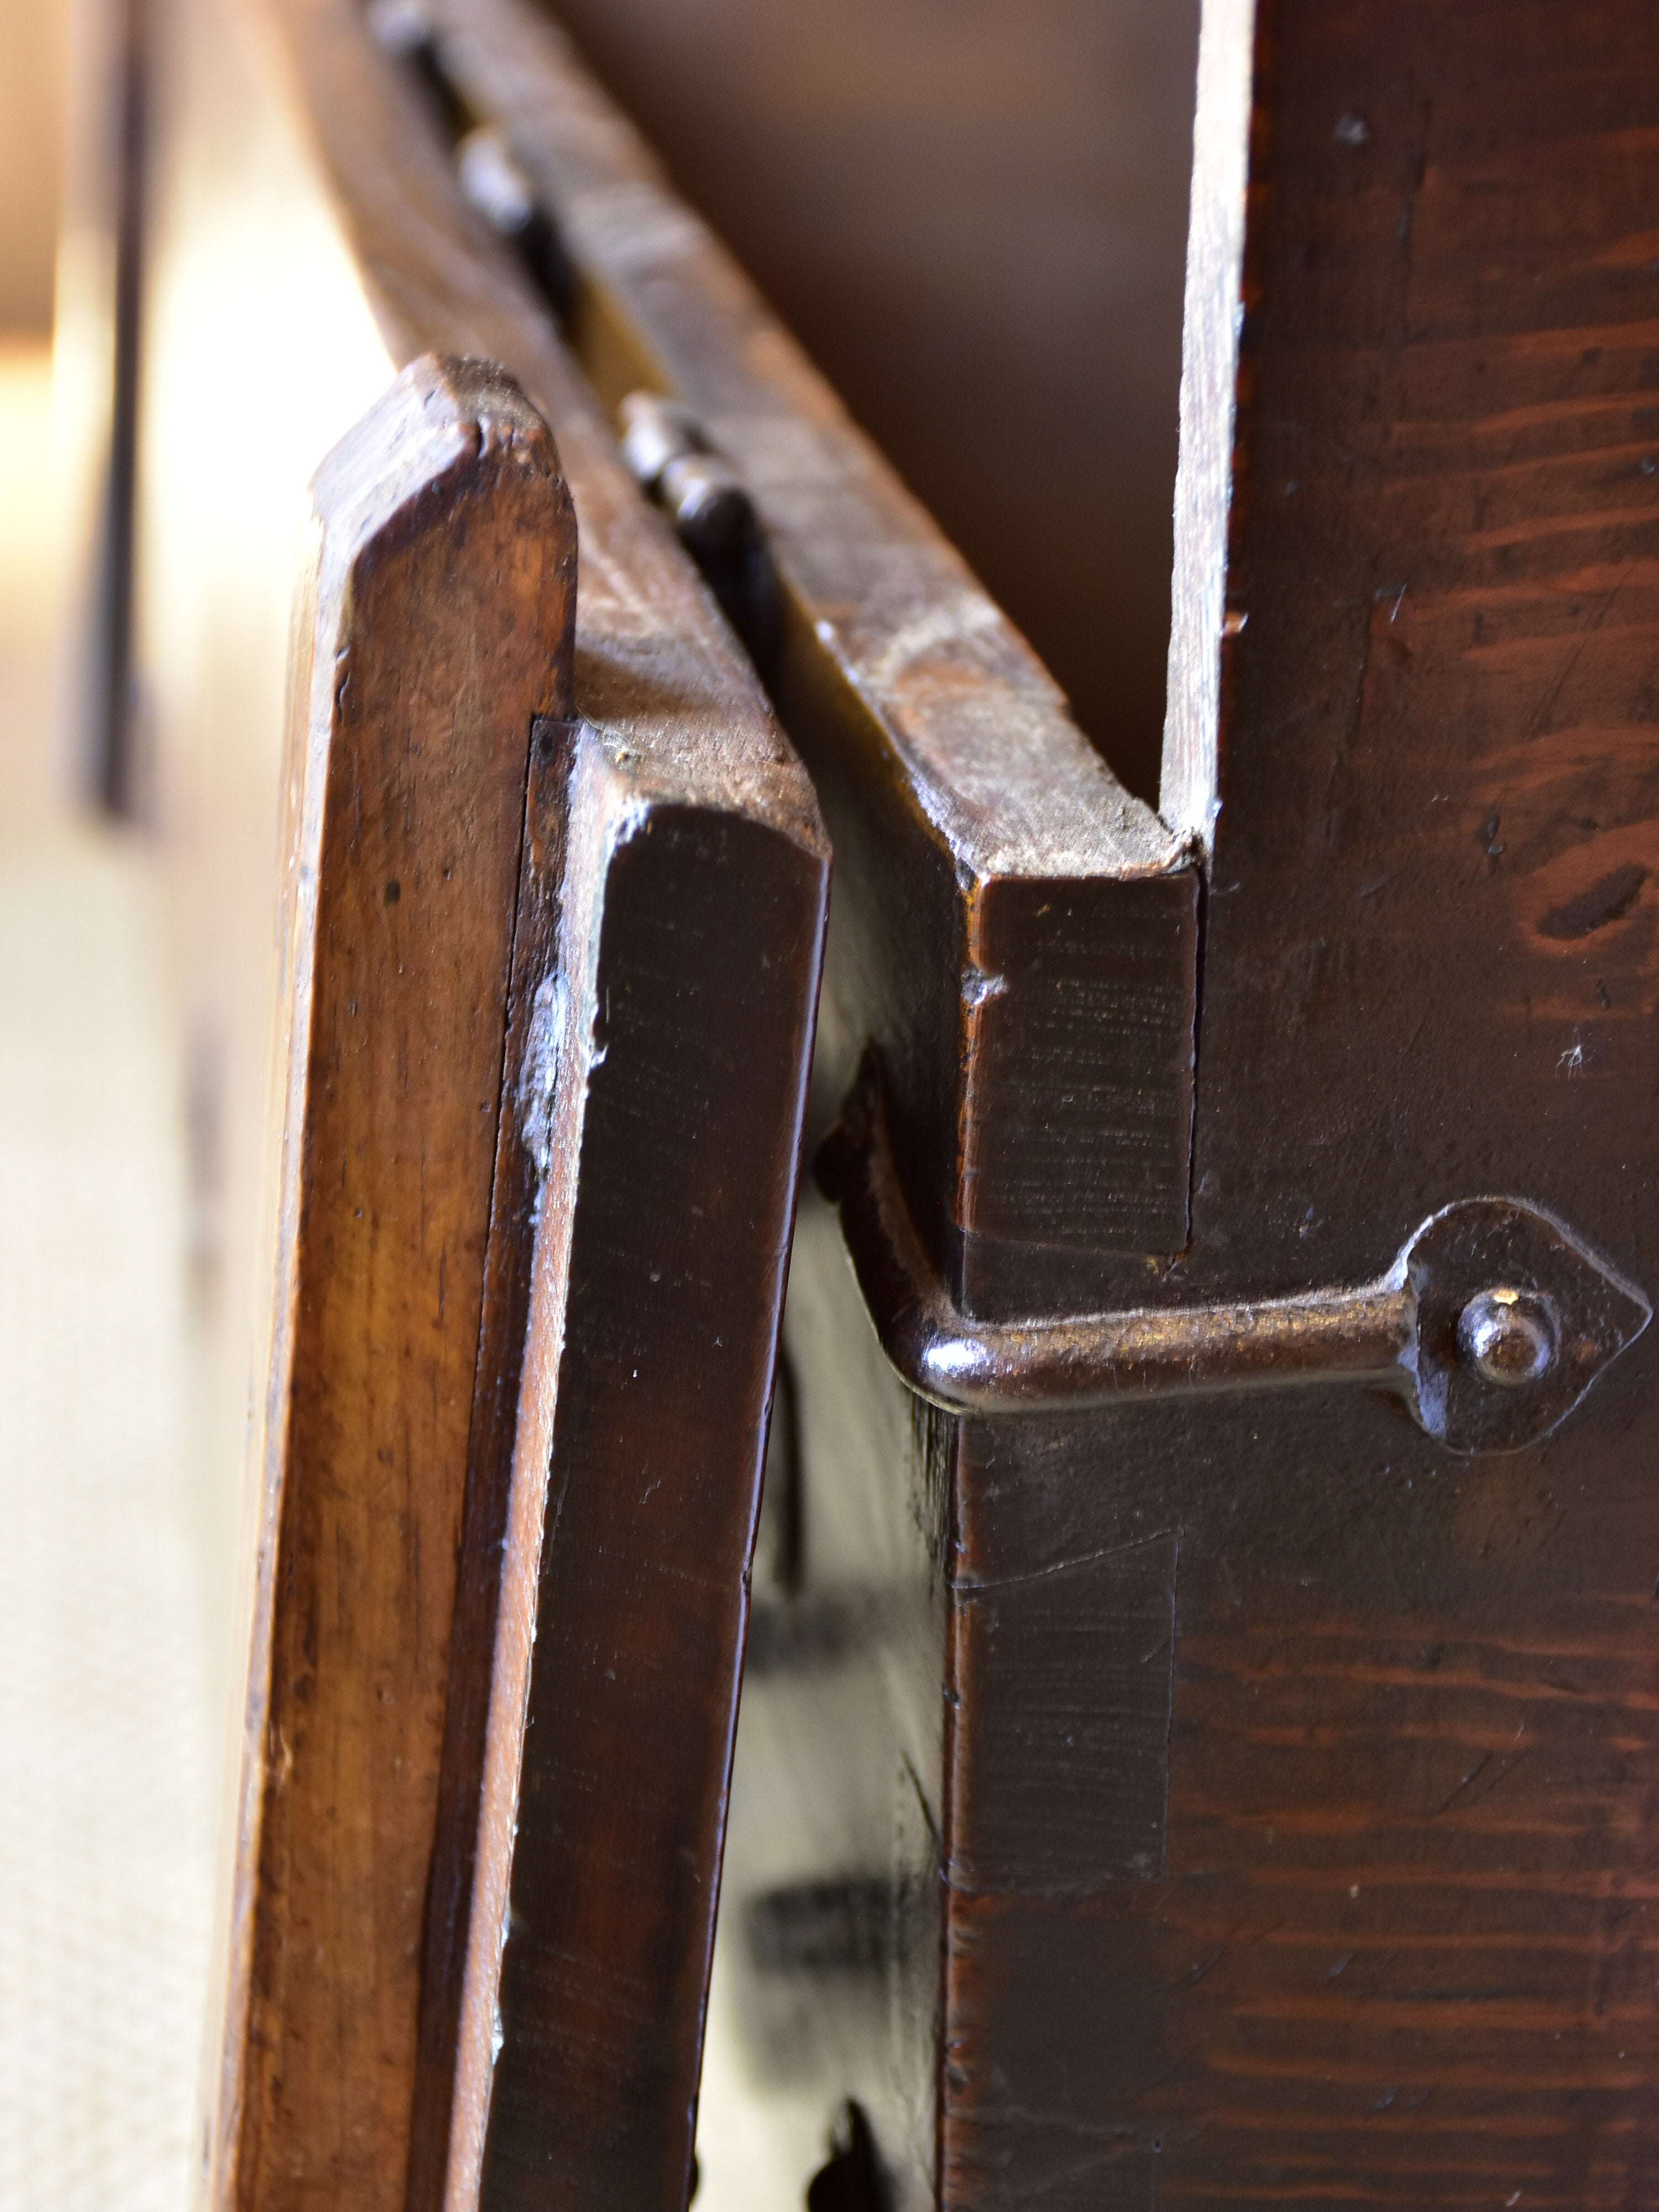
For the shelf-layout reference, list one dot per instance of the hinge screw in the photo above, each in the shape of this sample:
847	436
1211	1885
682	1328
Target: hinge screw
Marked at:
1507	1337
666	450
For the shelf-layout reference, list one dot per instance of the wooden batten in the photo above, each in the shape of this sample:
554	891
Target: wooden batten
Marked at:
618	1553
554	1730
434	629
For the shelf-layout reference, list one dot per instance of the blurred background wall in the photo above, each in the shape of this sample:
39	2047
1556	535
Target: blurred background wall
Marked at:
32	45
109	1726
973	213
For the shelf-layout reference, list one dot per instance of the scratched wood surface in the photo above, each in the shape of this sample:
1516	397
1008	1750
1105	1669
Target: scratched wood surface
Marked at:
600	1465
1302	1836
434	629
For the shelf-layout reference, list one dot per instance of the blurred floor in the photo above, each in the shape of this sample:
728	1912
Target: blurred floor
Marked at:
110	1733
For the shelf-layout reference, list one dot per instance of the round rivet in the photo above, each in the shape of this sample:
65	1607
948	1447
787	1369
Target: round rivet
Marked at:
1506	1337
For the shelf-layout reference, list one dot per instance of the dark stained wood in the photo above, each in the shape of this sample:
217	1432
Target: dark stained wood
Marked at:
1269	1781
1003	900
1384	1934
652	1335
1274	1780
434	627
694	769
606	1417
1018	937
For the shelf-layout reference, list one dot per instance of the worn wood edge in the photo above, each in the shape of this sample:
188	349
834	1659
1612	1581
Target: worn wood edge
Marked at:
370	485
1189	795
982	731
666	697
606	807
444	278
656	665
664	688
570	1049
222	2087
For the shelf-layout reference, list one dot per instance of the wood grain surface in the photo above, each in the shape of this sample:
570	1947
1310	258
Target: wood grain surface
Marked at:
1003	899
1275	1781
694	764
1271	1781
649	1073
433	627
680	1023
1381	1932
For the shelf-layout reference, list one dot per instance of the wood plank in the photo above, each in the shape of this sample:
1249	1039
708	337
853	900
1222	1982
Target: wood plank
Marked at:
619	1556
1273	1778
976	238
1396	1947
665	803
435	628
1020	938
968	810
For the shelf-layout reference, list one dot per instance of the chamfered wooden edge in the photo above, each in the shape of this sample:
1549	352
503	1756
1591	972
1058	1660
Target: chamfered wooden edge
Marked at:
433	626
1004	770
959	791
664	997
672	709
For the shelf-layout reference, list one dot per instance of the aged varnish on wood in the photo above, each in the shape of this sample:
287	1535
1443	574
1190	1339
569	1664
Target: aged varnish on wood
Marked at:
546	1720
1015	935
1270	1775
444	520
1203	1799
1301	1840
1003	901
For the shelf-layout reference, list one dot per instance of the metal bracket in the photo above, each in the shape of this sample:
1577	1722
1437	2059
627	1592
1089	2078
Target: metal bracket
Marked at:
1491	1323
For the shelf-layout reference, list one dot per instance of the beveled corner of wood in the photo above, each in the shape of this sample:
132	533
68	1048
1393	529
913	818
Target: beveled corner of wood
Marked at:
444	425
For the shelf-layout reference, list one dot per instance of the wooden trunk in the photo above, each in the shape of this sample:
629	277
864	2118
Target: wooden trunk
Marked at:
1158	1785
1236	1798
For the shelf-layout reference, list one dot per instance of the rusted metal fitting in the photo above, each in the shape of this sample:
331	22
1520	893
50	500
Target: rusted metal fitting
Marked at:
493	183
1491	1323
496	185
401	28
668	453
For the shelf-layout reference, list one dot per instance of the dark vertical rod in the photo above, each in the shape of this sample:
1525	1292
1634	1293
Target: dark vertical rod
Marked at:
116	768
